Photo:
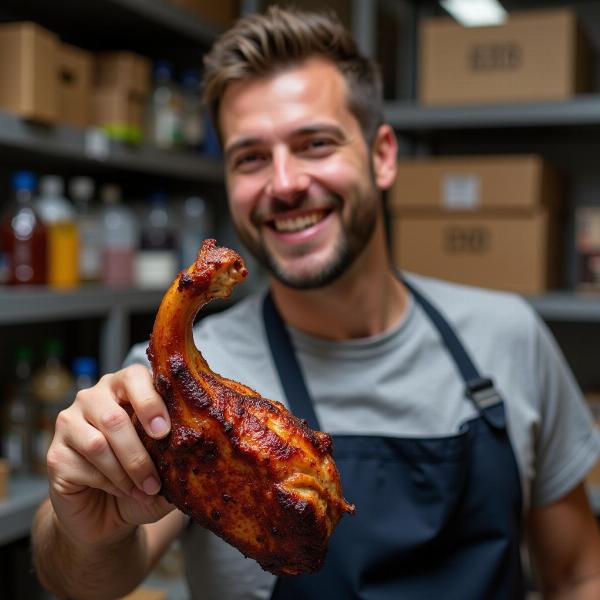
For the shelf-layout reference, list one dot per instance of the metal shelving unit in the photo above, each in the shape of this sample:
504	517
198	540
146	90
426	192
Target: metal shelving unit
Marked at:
410	118
91	148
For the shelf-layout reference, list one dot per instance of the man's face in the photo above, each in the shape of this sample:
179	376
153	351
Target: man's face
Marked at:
299	173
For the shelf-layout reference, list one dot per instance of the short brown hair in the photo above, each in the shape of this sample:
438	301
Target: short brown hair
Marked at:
260	44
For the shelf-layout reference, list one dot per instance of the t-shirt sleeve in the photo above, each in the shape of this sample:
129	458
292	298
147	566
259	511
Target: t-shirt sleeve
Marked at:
137	355
568	443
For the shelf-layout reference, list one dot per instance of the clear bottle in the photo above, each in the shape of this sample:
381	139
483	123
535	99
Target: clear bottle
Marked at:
156	261
196	226
58	215
120	238
166	108
192	110
81	190
52	391
19	417
85	372
23	235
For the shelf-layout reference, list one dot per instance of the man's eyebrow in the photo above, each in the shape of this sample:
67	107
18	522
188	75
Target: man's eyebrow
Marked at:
244	142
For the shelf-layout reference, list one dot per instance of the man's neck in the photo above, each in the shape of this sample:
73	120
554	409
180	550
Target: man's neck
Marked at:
367	300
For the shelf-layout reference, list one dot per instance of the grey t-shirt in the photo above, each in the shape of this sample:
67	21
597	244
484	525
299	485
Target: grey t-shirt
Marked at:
404	383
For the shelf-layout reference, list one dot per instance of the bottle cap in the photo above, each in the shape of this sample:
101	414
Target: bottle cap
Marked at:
85	365
52	185
194	207
24	354
111	193
163	70
24	180
81	188
53	347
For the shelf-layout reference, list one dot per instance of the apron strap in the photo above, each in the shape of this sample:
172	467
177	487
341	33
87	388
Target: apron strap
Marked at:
287	365
480	390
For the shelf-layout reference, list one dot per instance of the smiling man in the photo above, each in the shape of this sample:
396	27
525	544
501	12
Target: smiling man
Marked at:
458	430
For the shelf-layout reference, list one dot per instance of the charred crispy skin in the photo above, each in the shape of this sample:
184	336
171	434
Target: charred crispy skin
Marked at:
239	464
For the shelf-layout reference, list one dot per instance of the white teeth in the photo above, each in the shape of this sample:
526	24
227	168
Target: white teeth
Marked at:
298	223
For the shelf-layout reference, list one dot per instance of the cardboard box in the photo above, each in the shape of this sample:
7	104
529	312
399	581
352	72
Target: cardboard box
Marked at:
505	253
221	14
120	113
587	245
28	84
74	85
536	55
476	183
146	593
485	221
4	477
126	71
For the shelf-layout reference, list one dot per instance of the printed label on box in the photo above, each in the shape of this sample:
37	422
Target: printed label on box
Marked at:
461	192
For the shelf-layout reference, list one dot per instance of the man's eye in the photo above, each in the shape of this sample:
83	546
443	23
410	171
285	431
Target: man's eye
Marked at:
247	161
318	146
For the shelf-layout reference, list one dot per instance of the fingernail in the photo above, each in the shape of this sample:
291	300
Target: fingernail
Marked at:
151	486
159	426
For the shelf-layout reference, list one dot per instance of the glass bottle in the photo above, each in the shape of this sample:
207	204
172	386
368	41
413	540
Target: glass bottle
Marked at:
52	391
192	110
18	419
23	235
165	109
58	214
119	235
156	260
81	190
196	226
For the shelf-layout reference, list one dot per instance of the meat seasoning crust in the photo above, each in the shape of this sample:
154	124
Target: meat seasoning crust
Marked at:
237	463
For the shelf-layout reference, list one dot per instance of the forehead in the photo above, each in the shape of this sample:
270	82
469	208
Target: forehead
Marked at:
285	100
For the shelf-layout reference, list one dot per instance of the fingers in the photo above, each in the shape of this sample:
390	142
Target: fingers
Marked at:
98	429
136	385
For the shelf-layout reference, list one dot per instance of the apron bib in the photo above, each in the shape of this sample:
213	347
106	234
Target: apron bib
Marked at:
435	517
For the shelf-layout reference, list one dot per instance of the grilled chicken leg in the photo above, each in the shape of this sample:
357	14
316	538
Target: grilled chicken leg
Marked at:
239	464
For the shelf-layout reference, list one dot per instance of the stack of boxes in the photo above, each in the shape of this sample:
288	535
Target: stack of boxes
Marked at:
121	87
492	221
47	81
488	221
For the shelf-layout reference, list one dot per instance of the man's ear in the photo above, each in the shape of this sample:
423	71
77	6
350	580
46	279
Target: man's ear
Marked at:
385	157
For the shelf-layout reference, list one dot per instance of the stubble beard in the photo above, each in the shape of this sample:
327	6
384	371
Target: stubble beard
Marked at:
353	238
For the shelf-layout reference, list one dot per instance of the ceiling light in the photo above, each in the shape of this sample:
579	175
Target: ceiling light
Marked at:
476	13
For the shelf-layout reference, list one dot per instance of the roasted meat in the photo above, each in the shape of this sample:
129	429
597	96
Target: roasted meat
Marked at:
237	463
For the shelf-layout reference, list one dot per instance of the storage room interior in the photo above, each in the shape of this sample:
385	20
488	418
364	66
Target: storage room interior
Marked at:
498	172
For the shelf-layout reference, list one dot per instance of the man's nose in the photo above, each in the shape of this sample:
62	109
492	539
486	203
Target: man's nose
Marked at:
288	178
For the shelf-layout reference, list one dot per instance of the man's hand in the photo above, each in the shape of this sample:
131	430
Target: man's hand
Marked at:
102	481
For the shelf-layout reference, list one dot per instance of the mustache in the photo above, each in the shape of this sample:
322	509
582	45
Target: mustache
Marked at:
277	207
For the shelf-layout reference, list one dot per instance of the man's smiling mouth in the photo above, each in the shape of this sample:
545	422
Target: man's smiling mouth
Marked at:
285	224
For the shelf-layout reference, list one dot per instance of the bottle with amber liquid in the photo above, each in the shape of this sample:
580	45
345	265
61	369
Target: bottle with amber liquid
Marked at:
23	235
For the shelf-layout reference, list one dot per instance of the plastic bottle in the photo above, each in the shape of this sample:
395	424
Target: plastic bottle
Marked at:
196	226
166	108
52	390
192	110
85	372
120	236
19	417
81	190
156	261
23	235
58	214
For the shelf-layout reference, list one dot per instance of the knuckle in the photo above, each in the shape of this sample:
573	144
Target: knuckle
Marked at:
63	420
114	420
138	462
95	445
84	396
134	372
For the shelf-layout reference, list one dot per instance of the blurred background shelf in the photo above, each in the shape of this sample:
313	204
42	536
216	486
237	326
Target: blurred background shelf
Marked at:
136	24
17	510
410	118
72	146
568	306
